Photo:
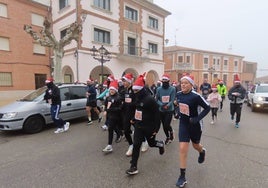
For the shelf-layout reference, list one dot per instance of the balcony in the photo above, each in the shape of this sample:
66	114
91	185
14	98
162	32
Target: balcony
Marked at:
184	67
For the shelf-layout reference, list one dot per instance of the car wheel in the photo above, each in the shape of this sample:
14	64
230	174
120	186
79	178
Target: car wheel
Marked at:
33	124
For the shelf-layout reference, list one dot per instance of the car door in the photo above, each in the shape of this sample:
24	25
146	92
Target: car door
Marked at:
66	103
78	100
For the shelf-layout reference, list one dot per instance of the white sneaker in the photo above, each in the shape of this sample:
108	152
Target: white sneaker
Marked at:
108	149
66	126
59	130
144	146
212	122
129	151
104	127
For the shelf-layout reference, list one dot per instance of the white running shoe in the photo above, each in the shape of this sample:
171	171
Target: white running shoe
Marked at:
66	126
212	122
144	146
104	127
59	130
129	151
108	149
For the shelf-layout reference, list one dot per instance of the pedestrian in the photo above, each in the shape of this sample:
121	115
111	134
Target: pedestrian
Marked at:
91	95
165	96
214	100
236	95
222	90
190	124
205	88
146	123
113	106
52	96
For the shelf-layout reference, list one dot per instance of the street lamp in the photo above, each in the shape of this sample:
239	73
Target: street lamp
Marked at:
102	55
211	70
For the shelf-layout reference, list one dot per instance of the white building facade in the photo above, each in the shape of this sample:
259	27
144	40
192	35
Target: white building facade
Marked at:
131	30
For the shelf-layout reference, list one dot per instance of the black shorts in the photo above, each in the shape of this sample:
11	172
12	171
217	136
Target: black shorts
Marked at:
92	104
189	132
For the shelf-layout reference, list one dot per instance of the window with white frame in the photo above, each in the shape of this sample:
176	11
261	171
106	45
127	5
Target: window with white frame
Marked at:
3	10
152	48
180	59
5	79
4	44
102	36
38	49
63	4
235	65
131	14
132	50
103	4
188	59
205	63
37	19
225	64
153	22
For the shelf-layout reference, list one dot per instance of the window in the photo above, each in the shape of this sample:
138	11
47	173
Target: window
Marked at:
5	79
3	10
103	4
180	58
131	14
188	59
153	23
224	78
102	36
205	76
131	46
39	80
37	20
205	62
63	4
4	44
78	92
152	48
235	65
38	49
63	33
225	64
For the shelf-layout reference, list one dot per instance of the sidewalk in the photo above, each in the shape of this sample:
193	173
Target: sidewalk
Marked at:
7	97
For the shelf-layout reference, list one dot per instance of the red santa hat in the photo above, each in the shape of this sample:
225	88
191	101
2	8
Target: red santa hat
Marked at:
114	85
48	80
111	78
105	83
220	81
128	77
139	82
214	87
236	79
189	78
165	77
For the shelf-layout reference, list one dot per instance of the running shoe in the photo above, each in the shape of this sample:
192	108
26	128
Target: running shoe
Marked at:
66	126
181	181
129	151
132	171
108	149
59	130
144	146
202	155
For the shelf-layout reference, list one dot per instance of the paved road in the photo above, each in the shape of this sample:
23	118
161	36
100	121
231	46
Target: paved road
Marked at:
236	158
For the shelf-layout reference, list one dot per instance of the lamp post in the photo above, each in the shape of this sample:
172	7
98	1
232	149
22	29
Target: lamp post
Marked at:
102	55
211	70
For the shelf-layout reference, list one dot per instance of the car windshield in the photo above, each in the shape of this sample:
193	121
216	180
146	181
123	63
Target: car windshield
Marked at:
262	89
35	95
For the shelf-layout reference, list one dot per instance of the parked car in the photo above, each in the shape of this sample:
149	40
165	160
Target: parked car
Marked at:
258	97
32	113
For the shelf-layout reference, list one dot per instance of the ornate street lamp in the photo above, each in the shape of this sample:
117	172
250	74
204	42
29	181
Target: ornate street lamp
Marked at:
211	70
102	55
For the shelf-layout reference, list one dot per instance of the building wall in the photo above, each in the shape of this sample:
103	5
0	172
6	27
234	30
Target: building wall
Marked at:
20	59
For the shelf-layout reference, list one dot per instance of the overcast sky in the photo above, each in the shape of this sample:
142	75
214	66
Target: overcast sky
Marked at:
218	25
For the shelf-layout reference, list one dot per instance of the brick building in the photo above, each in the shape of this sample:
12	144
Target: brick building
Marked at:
24	64
207	64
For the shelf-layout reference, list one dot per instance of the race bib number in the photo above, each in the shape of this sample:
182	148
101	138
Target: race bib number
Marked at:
184	109
109	105
138	115
128	100
165	99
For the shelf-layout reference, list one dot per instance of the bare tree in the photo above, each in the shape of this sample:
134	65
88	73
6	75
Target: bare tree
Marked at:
46	38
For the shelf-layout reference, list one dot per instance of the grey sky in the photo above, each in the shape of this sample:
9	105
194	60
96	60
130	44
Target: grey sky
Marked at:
217	25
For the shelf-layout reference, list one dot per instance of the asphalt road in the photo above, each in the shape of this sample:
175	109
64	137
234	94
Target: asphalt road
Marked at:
236	158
